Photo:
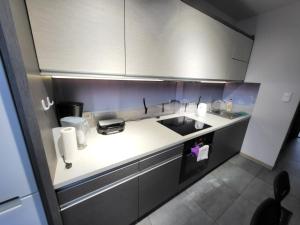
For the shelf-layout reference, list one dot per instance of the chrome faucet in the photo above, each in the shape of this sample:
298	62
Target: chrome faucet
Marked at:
145	107
169	102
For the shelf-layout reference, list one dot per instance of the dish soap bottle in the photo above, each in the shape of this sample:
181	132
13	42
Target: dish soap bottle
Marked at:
229	105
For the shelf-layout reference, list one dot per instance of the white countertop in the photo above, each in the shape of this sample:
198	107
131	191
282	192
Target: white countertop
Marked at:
139	139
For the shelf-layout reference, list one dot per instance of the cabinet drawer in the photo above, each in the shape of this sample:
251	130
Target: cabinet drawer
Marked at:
73	192
115	206
158	185
160	157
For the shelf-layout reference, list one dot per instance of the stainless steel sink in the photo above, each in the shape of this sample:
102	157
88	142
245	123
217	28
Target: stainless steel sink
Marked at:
227	115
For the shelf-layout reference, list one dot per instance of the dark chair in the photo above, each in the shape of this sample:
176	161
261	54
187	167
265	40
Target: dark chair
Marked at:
267	213
282	188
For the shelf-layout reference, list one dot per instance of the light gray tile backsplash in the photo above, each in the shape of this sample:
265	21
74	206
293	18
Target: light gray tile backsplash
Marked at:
243	95
110	99
208	92
112	96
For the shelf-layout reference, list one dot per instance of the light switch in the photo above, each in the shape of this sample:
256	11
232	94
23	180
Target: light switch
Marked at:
286	97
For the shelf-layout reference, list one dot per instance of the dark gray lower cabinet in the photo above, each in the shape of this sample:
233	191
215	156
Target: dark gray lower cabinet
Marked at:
115	206
120	197
158	185
227	142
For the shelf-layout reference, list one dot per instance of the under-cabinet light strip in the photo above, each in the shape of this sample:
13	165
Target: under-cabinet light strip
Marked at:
119	77
89	77
213	81
95	77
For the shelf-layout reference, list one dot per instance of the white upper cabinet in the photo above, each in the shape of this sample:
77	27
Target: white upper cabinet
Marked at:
240	55
161	38
169	38
79	36
236	70
242	47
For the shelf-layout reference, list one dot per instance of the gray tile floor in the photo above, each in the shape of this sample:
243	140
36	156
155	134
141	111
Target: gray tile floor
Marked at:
230	194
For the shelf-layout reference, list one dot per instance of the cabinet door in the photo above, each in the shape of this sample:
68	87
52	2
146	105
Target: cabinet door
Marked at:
79	36
242	47
158	185
118	205
169	38
227	142
236	70
241	51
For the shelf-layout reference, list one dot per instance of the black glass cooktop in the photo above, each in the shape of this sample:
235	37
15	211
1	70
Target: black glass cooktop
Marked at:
183	125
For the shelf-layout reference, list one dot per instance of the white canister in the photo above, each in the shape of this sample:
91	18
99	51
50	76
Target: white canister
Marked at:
81	126
202	109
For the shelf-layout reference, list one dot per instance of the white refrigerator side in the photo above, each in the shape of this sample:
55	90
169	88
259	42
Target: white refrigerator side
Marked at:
27	210
19	199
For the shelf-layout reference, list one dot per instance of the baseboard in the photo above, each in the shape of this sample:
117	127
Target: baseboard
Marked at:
257	161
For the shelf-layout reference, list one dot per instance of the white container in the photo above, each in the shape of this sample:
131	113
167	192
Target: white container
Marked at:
81	126
202	109
229	105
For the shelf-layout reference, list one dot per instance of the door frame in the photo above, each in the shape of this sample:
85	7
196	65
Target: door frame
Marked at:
18	83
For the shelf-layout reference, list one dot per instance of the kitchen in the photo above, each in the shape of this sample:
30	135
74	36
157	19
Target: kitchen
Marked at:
167	96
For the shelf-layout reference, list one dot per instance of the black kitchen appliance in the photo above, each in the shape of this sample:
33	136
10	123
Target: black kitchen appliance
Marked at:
190	167
64	109
110	126
183	125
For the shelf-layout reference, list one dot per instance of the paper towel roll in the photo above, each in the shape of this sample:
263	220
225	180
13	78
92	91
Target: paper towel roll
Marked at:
69	143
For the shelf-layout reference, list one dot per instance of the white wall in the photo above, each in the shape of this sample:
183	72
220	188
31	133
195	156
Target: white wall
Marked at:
248	25
113	95
207	8
275	63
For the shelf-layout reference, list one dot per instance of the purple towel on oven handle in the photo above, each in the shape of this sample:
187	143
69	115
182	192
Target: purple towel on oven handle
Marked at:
195	151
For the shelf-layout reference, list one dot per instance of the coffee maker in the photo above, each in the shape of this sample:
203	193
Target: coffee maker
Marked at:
64	109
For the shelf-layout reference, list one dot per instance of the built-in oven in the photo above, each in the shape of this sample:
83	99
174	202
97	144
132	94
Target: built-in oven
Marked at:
196	156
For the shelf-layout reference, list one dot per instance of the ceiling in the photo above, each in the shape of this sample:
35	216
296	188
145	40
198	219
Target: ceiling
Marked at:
243	9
